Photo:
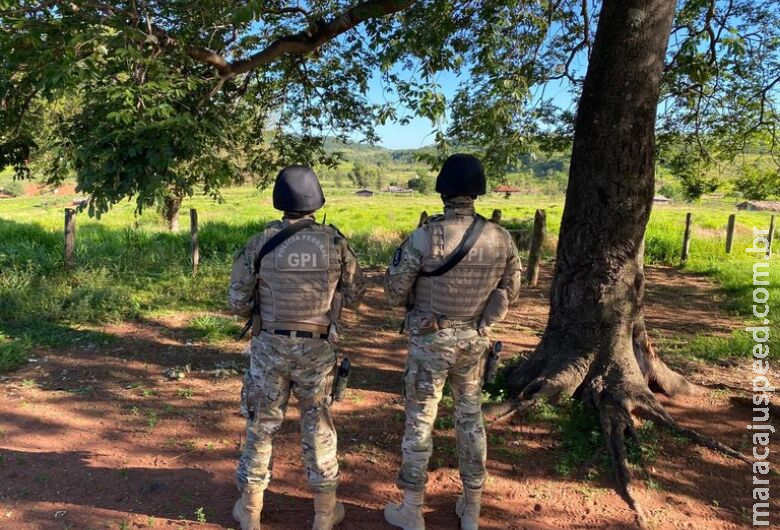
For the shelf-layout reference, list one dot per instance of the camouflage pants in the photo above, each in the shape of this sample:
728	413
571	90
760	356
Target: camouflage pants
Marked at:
457	355
279	365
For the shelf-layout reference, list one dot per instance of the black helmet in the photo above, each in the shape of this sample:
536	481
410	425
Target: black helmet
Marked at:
461	175
297	189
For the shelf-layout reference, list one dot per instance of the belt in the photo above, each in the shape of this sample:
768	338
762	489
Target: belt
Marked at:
447	323
292	333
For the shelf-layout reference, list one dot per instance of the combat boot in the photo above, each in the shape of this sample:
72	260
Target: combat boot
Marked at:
407	514
247	509
327	512
467	507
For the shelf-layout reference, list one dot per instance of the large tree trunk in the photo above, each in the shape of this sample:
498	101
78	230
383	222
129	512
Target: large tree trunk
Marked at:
170	210
597	287
595	346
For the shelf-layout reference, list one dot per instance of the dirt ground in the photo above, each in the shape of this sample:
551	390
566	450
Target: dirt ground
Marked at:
95	436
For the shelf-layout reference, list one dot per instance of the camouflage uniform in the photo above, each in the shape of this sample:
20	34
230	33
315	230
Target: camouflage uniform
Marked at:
281	364
447	346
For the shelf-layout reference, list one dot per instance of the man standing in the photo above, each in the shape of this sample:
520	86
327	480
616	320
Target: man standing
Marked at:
293	279
456	275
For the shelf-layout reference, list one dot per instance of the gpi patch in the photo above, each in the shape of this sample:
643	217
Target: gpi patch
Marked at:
304	251
397	257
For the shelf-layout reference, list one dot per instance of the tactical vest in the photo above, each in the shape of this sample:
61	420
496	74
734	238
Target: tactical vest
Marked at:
298	279
463	291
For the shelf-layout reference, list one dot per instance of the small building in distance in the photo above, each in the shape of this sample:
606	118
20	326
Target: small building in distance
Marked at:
506	189
660	199
761	206
364	193
399	190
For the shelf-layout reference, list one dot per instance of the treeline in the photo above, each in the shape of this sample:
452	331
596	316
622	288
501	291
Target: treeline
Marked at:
682	173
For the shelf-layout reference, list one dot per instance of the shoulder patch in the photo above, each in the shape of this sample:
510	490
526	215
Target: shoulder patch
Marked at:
397	256
336	229
340	237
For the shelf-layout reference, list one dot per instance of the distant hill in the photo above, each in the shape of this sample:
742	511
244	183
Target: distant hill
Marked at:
375	153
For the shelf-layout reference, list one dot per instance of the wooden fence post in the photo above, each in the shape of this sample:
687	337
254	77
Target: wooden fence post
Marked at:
686	246
194	246
771	236
730	232
70	239
496	217
535	250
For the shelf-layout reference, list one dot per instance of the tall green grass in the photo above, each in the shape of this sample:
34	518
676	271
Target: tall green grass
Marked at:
129	266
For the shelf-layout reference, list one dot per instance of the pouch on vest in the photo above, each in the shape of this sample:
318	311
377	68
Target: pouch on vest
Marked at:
496	308
421	322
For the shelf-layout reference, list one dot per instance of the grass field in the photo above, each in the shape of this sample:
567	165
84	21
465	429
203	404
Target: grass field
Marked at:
130	267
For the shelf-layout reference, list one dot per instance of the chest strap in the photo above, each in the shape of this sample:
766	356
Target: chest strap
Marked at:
464	247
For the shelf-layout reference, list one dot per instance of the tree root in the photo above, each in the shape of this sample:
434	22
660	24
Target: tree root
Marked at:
657	413
657	374
616	423
498	413
616	397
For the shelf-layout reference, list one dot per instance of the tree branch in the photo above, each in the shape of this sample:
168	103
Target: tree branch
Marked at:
304	41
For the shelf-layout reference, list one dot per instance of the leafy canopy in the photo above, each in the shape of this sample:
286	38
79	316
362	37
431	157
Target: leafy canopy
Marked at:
152	99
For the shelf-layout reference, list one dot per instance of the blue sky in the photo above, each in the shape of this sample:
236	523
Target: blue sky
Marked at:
419	131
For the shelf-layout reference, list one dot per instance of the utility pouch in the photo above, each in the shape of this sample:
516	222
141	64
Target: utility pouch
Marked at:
421	322
496	308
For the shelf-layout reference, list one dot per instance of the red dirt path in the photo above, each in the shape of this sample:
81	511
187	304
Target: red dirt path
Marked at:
95	437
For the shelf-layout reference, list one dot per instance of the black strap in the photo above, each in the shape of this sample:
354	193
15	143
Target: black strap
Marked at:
464	247
278	238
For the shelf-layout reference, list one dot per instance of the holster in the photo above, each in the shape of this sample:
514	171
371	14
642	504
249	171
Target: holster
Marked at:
496	308
249	397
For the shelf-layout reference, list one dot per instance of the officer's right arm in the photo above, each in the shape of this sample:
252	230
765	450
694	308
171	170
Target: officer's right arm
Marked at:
242	284
402	273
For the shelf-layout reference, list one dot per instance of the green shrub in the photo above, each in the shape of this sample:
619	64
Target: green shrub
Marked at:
13	352
212	328
14	188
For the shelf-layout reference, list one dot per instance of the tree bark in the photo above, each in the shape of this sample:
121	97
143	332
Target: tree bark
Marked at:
595	297
170	211
596	346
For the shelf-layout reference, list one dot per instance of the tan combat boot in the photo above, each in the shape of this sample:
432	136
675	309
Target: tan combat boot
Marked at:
468	507
407	514
327	512
247	509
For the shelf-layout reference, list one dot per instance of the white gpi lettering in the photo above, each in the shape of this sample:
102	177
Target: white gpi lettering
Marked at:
302	260
476	254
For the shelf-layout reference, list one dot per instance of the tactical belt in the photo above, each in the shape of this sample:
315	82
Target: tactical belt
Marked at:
447	323
294	333
296	329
